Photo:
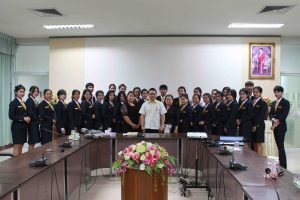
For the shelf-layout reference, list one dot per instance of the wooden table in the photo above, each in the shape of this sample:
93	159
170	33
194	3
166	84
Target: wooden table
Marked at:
7	191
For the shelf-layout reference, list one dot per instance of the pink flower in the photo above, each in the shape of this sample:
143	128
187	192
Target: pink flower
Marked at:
135	156
157	155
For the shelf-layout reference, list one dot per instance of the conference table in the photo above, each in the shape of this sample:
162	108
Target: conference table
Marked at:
70	170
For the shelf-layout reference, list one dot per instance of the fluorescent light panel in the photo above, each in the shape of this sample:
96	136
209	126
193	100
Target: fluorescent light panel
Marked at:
250	25
71	26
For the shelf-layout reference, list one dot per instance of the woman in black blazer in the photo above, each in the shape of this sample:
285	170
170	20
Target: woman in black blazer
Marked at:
197	114
245	116
99	110
172	115
121	99
208	115
108	111
61	113
260	108
220	115
46	111
185	117
74	112
87	109
34	135
230	126
20	120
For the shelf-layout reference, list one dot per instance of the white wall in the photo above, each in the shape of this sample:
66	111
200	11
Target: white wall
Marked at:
290	57
208	62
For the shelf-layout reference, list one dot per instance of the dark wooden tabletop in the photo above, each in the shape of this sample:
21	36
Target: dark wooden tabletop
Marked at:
16	170
268	193
6	189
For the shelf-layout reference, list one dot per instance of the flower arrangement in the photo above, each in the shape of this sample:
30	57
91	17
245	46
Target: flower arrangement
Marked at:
267	100
146	156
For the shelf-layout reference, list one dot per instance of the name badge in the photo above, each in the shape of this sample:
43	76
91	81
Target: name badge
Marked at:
243	108
90	106
206	111
76	108
228	109
20	106
47	107
279	107
184	112
218	110
257	106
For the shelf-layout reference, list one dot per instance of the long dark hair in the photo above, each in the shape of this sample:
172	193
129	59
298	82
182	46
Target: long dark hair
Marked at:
32	89
119	96
84	92
106	98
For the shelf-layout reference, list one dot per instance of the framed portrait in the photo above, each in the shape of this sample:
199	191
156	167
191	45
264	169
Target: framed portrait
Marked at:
261	60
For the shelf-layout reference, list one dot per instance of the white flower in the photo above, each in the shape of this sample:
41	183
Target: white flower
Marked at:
126	157
120	153
160	166
142	167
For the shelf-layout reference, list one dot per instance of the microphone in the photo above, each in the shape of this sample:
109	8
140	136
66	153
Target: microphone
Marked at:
224	151
43	161
236	165
268	171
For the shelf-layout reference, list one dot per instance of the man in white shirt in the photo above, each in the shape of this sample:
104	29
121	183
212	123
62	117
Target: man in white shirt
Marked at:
153	114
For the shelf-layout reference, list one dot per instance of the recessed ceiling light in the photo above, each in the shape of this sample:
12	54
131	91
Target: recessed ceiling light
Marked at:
249	25
71	26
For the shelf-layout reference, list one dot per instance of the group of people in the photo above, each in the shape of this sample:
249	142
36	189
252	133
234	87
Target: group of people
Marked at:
218	113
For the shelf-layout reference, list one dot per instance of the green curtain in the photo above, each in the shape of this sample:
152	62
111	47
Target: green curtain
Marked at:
8	48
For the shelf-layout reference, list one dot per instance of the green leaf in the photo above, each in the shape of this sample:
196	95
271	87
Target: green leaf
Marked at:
117	164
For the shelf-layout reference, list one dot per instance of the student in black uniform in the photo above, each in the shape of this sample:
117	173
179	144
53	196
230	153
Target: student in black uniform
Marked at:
185	117
260	108
122	88
46	111
249	87
137	94
220	115
87	109
163	89
181	91
74	112
172	115
99	110
61	113
108	111
279	112
208	115
213	96
197	114
91	87
121	98
34	135
131	115
230	126
225	91
245	116
20	120
143	99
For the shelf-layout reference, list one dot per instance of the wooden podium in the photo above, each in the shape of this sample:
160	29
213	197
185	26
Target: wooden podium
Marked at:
139	185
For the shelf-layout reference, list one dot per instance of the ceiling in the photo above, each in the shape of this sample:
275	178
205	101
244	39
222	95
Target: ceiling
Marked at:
146	17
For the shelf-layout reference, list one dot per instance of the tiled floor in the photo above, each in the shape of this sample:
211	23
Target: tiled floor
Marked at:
109	188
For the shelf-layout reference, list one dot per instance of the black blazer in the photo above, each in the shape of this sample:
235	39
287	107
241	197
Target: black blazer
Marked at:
197	116
17	113
33	110
176	103
208	117
172	116
231	114
281	113
185	118
99	115
220	114
46	113
74	115
108	114
87	110
159	99
259	111
61	115
245	113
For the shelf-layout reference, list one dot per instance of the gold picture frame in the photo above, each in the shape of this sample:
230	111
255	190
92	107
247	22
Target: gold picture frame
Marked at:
261	60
